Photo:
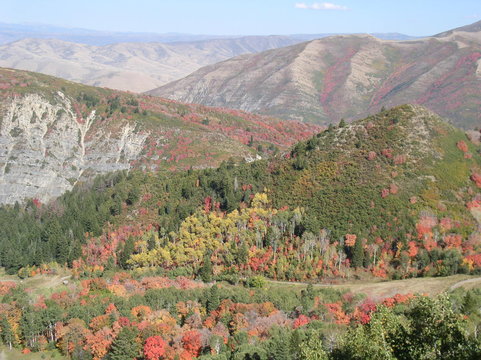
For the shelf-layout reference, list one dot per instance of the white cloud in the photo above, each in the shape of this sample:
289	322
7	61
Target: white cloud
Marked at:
320	6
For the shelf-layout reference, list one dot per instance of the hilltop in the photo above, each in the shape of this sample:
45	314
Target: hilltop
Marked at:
55	133
349	76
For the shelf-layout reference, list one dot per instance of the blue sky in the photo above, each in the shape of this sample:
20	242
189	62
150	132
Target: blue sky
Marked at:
235	17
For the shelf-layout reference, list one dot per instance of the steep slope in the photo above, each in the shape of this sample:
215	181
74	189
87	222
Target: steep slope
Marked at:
473	28
345	77
134	67
396	194
54	132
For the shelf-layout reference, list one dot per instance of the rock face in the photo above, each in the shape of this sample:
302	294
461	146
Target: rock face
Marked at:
44	148
55	133
346	77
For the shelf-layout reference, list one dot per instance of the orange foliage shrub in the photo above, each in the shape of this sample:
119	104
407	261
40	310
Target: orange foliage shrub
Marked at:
462	146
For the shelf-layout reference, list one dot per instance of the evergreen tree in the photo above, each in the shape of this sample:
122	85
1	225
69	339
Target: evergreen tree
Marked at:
125	346
151	245
358	254
126	252
7	332
206	269
342	123
213	299
279	347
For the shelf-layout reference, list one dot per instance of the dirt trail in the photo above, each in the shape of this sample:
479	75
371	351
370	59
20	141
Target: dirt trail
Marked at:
464	282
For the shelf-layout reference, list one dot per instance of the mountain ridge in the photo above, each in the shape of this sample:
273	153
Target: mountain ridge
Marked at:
347	77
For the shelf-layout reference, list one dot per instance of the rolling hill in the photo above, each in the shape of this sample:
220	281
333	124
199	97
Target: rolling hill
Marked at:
347	77
54	133
135	66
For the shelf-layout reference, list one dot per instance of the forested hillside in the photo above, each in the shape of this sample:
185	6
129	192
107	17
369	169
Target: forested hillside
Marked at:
394	195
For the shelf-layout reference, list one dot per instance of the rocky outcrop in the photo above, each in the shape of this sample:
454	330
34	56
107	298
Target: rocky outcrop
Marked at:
55	133
45	147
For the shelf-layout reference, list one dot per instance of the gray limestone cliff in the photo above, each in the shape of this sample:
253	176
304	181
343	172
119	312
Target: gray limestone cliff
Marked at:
45	148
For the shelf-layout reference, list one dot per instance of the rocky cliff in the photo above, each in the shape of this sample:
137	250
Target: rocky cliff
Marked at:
54	133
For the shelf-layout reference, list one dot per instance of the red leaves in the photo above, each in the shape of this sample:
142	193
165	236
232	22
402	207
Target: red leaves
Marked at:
207	204
413	249
425	225
340	316
397	299
37	203
372	155
462	146
154	348
302	320
384	193
191	342
453	241
476	178
387	153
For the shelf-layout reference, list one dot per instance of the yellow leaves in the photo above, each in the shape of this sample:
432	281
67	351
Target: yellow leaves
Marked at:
260	200
155	257
213	231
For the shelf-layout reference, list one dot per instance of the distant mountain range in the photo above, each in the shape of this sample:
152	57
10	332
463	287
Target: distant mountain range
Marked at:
14	32
135	62
136	67
347	76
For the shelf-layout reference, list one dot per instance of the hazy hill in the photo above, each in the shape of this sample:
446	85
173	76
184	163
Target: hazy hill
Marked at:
134	67
54	133
14	32
135	62
347	77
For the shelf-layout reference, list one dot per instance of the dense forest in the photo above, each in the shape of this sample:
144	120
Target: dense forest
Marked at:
178	265
123	317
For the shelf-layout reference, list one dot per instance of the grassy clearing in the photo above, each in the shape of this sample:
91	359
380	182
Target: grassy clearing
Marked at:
383	289
15	354
39	285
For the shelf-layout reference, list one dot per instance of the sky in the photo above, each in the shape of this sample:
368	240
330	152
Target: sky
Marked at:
247	17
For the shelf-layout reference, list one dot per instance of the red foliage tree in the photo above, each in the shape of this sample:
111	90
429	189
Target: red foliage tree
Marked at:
301	321
192	342
154	348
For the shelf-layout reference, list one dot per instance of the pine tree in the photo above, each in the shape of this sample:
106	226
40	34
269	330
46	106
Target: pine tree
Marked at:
206	269
126	252
213	299
125	346
358	254
7	332
151	244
